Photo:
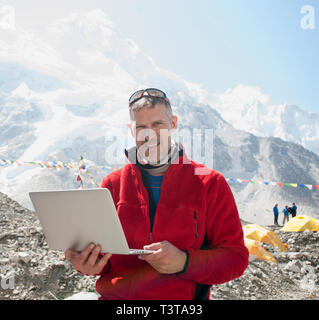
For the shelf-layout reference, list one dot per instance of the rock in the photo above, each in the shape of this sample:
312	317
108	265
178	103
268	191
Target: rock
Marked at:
307	284
83	296
4	261
294	266
307	269
24	257
294	255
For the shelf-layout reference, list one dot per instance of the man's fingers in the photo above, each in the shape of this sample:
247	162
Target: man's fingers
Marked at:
160	251
94	255
103	261
154	246
69	254
85	253
153	257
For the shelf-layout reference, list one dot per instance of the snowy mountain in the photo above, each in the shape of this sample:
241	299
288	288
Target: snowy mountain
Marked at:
241	155
63	94
248	108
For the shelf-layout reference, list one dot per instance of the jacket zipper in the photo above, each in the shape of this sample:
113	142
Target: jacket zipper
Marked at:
196	231
151	238
147	211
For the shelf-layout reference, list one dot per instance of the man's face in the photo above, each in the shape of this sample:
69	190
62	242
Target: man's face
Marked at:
151	130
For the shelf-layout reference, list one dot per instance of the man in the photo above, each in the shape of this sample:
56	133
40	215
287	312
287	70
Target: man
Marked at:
286	215
190	220
276	214
294	210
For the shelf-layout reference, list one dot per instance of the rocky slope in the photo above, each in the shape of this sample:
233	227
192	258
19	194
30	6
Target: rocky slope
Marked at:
28	270
295	276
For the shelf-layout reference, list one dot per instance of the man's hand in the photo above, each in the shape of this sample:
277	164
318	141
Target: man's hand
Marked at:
88	261
166	259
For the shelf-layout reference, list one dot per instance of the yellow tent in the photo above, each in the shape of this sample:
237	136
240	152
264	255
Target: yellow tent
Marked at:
302	223
256	232
256	249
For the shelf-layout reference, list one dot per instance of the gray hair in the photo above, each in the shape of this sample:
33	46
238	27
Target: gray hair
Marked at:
150	102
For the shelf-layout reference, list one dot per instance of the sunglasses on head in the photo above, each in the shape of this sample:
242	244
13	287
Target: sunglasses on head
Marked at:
150	92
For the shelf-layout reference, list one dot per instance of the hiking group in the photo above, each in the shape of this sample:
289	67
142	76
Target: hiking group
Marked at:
286	211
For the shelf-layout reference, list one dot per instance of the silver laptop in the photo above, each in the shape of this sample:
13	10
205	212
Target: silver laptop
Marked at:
72	219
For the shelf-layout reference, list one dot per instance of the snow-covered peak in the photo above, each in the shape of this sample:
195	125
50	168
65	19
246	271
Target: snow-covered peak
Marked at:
94	33
91	19
22	91
93	58
248	108
82	28
242	95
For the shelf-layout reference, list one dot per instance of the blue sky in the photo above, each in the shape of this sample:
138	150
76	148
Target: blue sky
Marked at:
218	43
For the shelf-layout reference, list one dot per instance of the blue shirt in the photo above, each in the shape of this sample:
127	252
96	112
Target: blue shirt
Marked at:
276	210
155	183
285	211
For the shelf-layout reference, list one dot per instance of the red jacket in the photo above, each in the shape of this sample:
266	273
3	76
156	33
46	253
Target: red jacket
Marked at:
190	207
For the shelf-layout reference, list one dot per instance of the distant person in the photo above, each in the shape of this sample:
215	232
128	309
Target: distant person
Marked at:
276	214
289	210
294	210
286	215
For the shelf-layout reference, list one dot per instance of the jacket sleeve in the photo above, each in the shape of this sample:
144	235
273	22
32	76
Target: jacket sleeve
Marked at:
227	256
